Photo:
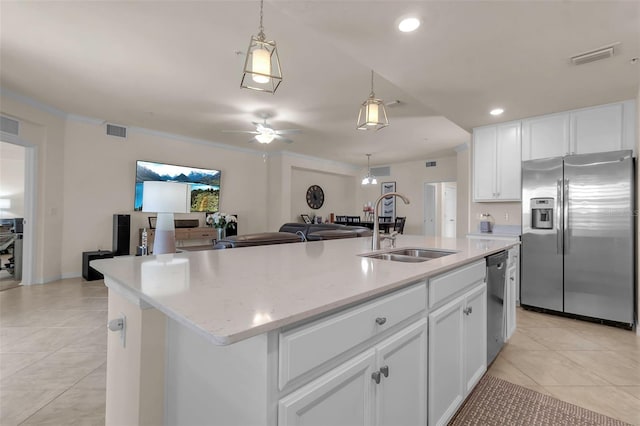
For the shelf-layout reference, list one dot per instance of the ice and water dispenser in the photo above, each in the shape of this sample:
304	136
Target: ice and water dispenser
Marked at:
542	213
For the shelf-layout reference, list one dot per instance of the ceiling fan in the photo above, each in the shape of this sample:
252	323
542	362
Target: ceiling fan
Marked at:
265	133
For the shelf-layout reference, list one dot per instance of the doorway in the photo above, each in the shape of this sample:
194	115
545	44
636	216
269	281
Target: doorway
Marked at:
440	209
17	192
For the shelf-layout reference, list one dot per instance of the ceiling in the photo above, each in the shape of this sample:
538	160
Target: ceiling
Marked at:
174	66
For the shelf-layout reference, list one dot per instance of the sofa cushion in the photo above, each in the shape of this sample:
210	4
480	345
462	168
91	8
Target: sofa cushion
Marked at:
258	239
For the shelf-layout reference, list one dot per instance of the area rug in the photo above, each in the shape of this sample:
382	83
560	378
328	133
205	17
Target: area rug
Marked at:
497	402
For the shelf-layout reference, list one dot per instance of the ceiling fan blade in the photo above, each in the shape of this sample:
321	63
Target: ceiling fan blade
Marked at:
288	131
253	132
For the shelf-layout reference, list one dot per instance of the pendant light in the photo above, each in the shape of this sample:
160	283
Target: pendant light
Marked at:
373	115
369	178
261	66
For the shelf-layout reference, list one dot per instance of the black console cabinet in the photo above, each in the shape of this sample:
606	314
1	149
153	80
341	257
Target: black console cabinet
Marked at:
88	273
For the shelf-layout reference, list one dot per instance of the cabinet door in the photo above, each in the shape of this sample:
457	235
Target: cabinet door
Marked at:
544	137
597	129
484	163
446	361
401	396
343	396
508	162
475	336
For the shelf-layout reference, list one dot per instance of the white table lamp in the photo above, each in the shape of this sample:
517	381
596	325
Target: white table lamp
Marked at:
165	199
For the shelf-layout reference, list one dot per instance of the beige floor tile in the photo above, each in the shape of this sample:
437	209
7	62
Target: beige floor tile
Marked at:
631	390
87	319
503	369
57	371
82	303
552	368
10	335
561	339
17	405
531	319
13	362
39	318
95	341
607	400
521	341
48	340
612	366
612	338
95	380
74	407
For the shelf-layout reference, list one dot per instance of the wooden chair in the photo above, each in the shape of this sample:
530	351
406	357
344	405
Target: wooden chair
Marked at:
398	226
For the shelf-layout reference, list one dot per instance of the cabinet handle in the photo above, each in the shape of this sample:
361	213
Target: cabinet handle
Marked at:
385	370
376	377
468	310
381	320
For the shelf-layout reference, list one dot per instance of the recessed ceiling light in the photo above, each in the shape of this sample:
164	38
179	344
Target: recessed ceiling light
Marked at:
409	24
496	111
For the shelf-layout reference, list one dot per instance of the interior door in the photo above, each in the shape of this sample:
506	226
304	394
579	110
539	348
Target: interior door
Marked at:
430	205
449	213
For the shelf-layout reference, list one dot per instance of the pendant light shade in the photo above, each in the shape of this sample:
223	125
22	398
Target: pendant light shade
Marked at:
373	115
369	179
261	66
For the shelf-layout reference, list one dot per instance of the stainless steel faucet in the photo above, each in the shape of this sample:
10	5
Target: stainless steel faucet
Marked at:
375	239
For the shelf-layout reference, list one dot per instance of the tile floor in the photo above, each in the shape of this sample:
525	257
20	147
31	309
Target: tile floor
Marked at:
53	358
590	365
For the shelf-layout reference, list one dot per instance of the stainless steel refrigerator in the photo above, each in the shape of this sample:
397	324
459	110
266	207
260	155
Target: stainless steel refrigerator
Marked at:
578	235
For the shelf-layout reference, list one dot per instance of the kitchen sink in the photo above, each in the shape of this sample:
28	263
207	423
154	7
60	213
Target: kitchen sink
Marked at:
409	255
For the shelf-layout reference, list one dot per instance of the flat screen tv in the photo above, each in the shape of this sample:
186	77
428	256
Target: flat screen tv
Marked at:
205	183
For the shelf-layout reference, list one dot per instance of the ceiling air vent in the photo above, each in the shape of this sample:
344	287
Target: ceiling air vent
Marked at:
381	171
594	55
119	131
9	125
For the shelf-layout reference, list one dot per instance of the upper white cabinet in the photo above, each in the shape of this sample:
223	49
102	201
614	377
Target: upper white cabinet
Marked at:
546	136
496	162
609	127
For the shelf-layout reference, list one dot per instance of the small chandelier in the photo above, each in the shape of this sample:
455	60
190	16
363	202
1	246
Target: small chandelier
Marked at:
373	114
369	178
261	66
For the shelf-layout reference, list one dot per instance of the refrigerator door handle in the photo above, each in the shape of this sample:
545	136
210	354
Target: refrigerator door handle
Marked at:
559	202
565	208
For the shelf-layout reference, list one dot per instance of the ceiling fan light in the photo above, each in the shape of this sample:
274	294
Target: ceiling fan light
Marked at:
265	137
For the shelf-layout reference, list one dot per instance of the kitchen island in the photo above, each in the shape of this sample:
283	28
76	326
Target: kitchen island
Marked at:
296	332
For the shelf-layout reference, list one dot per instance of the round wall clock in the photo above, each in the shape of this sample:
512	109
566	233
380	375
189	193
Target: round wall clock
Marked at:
315	197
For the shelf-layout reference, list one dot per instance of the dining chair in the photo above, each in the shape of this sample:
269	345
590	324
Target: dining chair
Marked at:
398	226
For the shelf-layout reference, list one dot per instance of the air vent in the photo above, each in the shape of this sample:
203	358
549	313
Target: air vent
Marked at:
9	125
119	131
593	55
381	171
430	164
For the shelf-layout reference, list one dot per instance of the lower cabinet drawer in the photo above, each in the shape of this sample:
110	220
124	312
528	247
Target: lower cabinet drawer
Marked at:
446	285
306	347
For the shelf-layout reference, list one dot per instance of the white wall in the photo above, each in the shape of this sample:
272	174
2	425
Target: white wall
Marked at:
12	166
100	177
410	178
339	193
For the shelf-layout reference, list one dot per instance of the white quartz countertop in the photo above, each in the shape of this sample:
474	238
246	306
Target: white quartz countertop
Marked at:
233	294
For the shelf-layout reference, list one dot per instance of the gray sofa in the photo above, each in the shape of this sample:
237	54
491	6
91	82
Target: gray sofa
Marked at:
294	233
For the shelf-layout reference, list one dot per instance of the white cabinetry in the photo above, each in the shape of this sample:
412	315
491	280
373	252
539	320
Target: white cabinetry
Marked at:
496	162
385	385
457	339
512	290
602	128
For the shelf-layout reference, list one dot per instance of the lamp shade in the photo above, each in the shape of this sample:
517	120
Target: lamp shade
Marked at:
166	197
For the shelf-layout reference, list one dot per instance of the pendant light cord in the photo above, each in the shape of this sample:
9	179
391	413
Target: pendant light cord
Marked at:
261	35
372	95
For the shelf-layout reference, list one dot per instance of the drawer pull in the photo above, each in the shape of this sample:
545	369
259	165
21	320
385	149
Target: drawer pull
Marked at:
385	370
468	310
381	320
376	377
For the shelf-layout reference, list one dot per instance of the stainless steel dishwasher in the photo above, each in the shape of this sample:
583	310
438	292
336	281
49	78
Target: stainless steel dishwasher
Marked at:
496	268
